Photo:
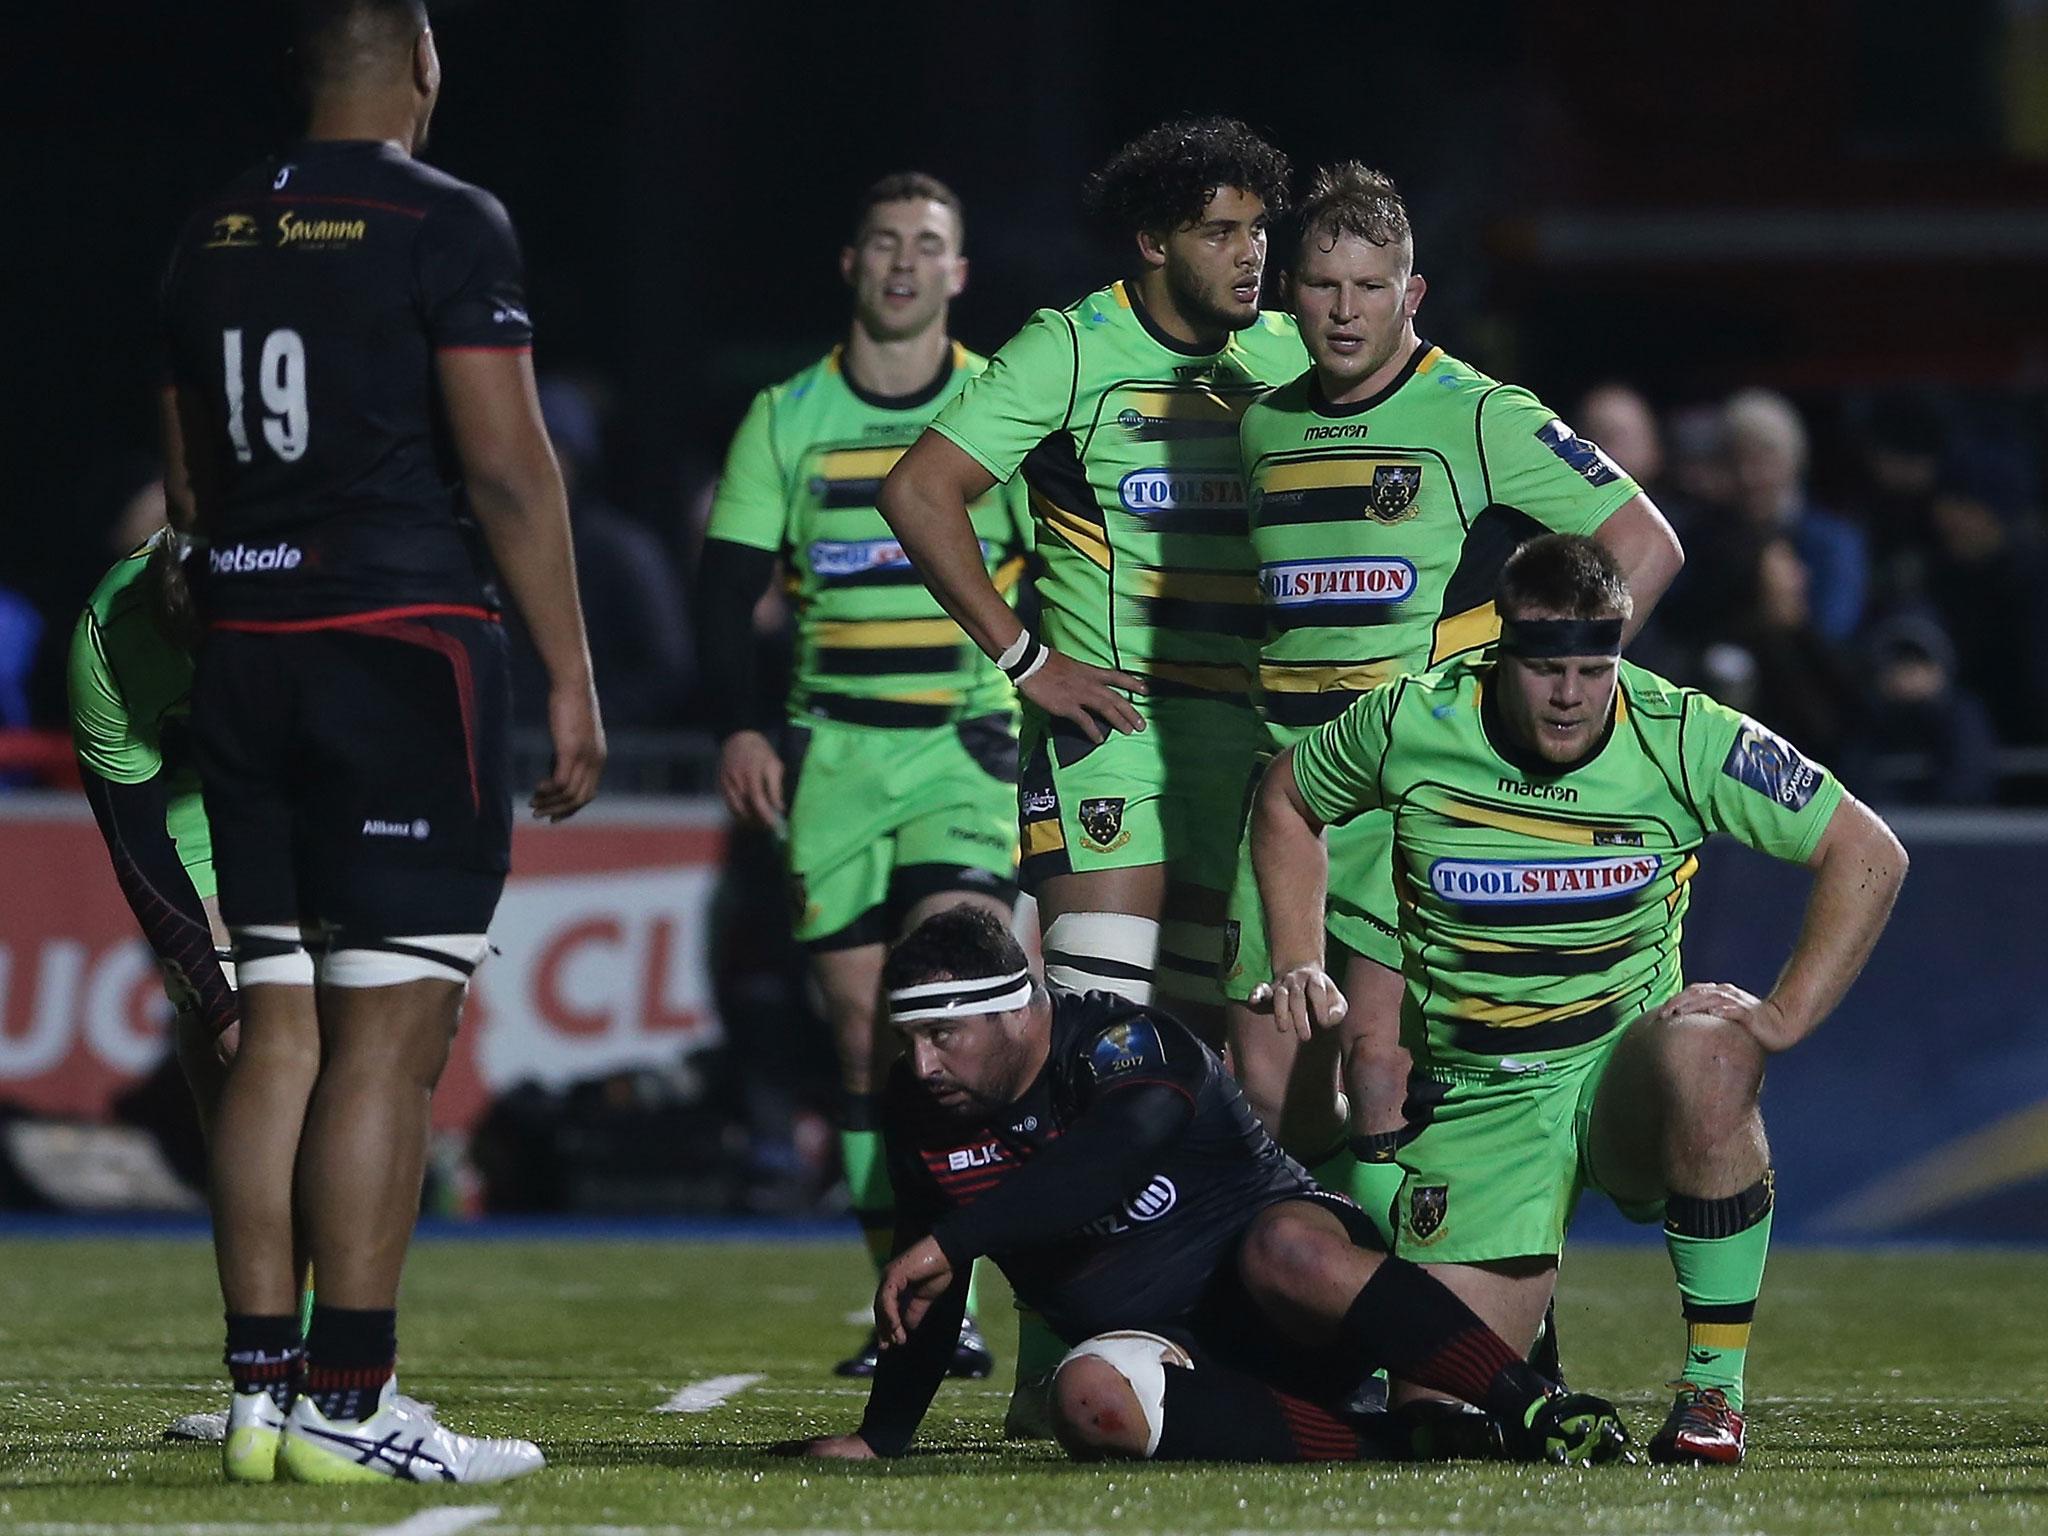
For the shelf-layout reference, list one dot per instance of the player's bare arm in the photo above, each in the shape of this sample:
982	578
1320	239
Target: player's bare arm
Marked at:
1858	867
1293	870
1650	554
515	488
925	500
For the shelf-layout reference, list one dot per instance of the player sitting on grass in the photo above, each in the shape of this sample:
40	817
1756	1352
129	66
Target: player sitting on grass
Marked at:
1549	804
1219	1305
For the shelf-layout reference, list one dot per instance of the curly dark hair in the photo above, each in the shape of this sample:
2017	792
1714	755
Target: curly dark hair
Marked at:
1163	179
1351	198
1563	573
958	944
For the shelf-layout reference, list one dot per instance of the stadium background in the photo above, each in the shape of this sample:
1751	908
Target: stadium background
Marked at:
1831	200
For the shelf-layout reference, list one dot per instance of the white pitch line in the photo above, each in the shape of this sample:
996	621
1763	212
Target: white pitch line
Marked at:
703	1396
444	1521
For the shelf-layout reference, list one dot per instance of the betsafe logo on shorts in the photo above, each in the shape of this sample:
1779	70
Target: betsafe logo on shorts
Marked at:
1497	882
248	560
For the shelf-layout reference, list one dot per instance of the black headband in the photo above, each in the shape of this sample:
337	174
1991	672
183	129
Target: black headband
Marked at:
1560	637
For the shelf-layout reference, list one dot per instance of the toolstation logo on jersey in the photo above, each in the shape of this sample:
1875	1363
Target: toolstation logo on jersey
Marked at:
1490	881
1299	583
839	558
1164	490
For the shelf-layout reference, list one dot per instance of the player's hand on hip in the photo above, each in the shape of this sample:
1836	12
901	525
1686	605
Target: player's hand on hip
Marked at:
750	779
913	1280
833	1447
578	736
1303	1000
1724	1000
1088	696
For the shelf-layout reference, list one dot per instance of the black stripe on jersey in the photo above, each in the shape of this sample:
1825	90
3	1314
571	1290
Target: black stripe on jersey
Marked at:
1165	429
1557	1035
888	660
1333	616
850	493
1053	469
1532	962
890	714
1209	523
1497	532
1306	709
881	576
1319	504
1243	620
1537	914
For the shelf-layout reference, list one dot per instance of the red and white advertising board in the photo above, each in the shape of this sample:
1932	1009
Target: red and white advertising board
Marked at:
601	959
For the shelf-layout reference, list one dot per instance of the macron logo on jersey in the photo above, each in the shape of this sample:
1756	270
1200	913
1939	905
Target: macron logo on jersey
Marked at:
242	560
1305	583
1503	882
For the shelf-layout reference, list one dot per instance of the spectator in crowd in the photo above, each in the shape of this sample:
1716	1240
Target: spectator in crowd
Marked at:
1770	658
1767	452
1922	739
1985	572
640	649
1620	420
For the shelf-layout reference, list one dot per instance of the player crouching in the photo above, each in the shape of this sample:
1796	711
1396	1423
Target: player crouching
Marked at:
1222	1306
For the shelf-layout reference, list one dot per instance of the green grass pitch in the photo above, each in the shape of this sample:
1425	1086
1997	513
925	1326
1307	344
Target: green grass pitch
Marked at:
1890	1391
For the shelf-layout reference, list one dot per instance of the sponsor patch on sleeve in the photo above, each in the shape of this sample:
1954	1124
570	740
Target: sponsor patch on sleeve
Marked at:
1583	454
1771	766
1126	1046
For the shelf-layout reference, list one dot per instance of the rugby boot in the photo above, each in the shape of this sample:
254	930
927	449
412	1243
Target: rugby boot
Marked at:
972	1359
248	1452
210	1425
1700	1429
1029	1416
1570	1428
400	1442
1434	1429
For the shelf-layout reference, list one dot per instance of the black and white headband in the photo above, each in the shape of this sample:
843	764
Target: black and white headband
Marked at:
959	999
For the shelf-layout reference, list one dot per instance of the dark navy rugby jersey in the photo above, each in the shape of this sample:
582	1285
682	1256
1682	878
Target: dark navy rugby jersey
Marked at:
303	308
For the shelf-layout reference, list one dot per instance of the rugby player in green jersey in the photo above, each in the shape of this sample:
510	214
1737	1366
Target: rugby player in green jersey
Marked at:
1549	803
1386	486
130	678
1121	414
894	764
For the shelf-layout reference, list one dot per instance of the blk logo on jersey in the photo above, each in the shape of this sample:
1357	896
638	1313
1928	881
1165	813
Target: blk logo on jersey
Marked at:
1306	583
1771	766
1393	491
1498	882
1582	454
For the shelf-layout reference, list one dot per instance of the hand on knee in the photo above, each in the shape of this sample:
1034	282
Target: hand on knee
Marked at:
1096	1411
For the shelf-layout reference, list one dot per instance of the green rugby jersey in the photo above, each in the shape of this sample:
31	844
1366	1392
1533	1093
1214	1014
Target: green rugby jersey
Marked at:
1541	912
131	696
1128	442
1381	526
873	645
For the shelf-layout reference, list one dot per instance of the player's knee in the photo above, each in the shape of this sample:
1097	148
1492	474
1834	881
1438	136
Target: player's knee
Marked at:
1109	1395
1103	952
1708	1068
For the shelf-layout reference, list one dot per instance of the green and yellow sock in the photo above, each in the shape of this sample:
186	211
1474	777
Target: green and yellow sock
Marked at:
1718	1248
866	1165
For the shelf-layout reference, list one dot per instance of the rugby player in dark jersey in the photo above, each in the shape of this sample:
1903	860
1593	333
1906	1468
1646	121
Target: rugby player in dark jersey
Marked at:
354	405
1219	1305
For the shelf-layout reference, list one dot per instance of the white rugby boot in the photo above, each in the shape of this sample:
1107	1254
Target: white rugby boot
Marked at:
248	1452
400	1442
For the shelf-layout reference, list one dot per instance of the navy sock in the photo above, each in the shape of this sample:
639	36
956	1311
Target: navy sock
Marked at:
350	1354
264	1354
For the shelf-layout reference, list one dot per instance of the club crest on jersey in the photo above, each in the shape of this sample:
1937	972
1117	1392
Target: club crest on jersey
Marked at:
1307	583
1584	455
234	231
1771	766
1102	822
1233	942
1428	1204
1507	882
1393	490
1119	1048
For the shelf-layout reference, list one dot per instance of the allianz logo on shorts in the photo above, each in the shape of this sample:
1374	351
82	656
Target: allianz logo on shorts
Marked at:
418	830
241	559
852	557
1304	583
1163	490
1561	880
